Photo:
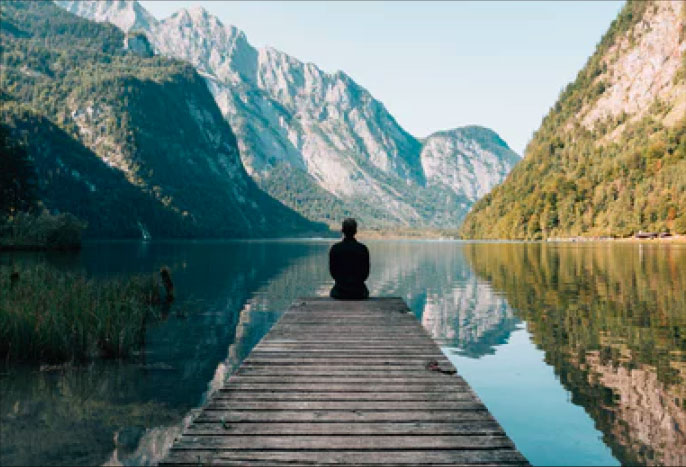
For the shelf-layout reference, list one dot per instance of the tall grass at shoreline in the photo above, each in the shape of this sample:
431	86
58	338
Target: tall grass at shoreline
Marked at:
47	315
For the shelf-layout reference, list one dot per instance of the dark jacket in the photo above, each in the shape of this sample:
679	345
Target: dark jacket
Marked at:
349	266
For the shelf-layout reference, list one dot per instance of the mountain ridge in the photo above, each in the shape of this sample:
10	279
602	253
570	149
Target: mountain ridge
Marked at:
609	159
159	141
293	120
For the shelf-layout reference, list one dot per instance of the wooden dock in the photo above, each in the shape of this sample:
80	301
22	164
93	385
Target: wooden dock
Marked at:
345	382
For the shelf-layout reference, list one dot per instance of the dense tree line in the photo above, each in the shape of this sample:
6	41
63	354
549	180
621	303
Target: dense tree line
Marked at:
17	176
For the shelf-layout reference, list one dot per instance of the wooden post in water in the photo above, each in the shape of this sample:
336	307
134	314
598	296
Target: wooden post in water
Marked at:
345	382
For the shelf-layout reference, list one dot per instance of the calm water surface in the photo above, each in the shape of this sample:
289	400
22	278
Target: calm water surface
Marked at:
579	350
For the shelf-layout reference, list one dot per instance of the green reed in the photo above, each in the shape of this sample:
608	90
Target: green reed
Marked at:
48	315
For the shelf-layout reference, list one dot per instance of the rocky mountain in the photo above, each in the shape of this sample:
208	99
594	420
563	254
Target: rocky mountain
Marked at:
126	141
610	156
466	160
319	142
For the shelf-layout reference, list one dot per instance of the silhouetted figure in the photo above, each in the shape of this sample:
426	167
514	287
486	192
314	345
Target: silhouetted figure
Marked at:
349	265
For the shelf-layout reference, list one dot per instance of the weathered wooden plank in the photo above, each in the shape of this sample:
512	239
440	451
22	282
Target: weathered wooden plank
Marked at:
374	378
342	341
381	330
363	370
361	313
390	339
359	347
352	315
349	387
384	324
231	404
405	416
474	427
251	395
393	302
347	339
355	344
323	332
422	362
318	311
342	369
348	354
328	442
342	355
338	457
353	371
336	383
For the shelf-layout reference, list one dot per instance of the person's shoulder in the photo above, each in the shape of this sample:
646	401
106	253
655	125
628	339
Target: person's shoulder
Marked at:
363	246
337	245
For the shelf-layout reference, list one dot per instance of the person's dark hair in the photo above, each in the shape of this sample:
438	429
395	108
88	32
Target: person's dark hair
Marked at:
349	227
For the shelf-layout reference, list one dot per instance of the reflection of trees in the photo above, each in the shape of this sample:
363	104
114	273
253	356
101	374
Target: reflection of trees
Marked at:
305	276
612	322
74	416
131	411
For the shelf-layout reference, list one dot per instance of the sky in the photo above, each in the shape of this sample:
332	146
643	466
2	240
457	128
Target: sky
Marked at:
434	65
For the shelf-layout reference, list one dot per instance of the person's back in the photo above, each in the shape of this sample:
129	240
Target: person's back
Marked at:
349	265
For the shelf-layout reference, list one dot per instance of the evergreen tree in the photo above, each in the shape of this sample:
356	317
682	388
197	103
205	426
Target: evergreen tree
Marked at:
17	176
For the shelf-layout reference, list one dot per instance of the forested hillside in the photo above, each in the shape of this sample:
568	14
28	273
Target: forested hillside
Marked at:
124	140
610	156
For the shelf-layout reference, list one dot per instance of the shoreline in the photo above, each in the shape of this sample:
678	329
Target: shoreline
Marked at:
673	239
362	235
439	235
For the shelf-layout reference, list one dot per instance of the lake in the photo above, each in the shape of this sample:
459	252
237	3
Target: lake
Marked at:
578	349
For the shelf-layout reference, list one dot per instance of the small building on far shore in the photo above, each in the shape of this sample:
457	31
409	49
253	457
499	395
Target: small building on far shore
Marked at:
648	235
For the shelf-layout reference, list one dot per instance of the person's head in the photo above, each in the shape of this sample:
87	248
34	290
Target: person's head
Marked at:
349	227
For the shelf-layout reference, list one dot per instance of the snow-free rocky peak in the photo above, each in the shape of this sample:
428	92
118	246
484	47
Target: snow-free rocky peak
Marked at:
317	141
124	14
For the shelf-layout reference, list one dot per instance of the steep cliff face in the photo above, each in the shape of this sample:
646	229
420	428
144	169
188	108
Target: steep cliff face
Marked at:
124	14
470	161
610	157
641	66
149	119
319	142
72	178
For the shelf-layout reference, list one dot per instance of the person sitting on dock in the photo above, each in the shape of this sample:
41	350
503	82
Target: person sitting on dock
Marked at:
349	265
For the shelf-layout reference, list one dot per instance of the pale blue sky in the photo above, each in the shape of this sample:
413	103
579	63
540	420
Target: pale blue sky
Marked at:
434	65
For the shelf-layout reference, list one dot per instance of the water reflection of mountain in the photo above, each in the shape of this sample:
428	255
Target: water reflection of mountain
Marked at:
456	308
470	318
128	412
612	322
